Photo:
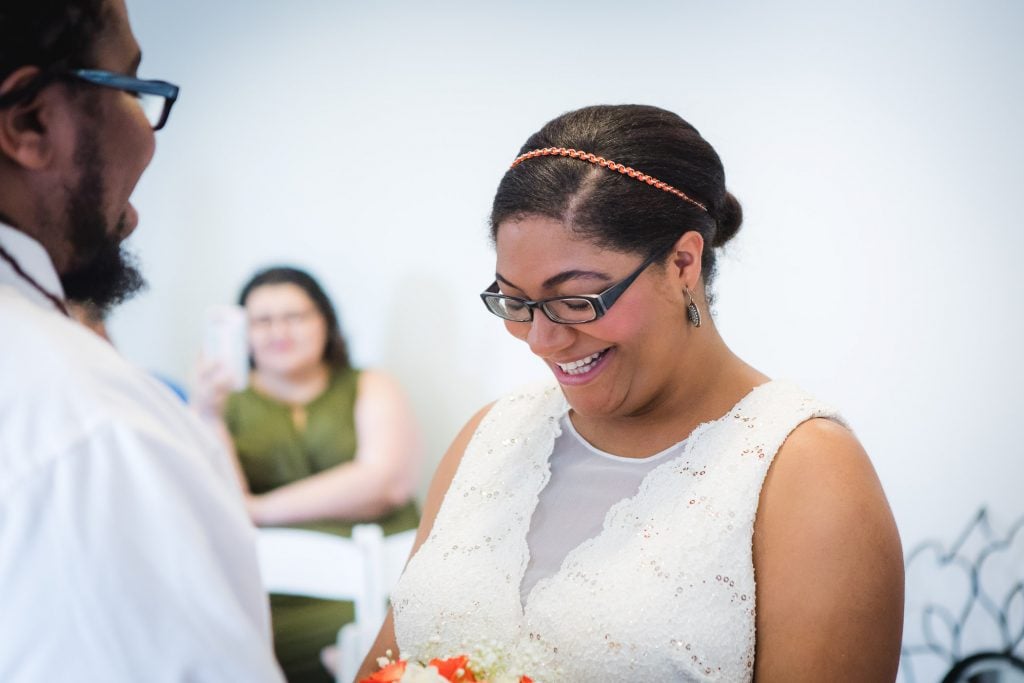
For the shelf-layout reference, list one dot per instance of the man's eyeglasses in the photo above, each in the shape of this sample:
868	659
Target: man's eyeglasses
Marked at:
568	310
155	97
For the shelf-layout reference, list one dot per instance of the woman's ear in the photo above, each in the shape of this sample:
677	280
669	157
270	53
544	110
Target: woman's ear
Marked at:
685	262
24	133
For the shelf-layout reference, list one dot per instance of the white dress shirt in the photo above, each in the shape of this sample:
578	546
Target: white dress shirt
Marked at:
125	550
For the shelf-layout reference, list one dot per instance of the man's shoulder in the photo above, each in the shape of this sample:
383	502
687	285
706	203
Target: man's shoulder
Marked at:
62	384
47	359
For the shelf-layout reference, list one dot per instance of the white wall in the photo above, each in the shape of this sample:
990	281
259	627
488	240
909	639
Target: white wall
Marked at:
876	148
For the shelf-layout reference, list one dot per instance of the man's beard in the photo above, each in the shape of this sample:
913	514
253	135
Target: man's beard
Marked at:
103	272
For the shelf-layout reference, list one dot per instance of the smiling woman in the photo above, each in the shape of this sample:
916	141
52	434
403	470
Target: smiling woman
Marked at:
609	525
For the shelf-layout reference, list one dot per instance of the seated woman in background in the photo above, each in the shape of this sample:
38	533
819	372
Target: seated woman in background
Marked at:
320	444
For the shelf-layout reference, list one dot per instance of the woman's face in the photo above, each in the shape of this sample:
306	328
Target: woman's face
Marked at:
616	365
287	333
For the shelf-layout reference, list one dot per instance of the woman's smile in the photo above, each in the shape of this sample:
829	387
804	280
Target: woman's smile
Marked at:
583	370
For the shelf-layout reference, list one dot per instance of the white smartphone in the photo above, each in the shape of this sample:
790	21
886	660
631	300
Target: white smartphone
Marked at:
225	341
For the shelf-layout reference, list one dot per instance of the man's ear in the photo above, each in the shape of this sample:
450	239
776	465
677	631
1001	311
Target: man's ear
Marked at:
24	125
685	261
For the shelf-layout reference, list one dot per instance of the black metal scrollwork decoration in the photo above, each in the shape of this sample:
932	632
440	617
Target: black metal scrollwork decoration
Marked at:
964	620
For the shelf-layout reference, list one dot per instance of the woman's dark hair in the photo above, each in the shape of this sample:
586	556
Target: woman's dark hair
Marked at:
613	210
336	351
50	34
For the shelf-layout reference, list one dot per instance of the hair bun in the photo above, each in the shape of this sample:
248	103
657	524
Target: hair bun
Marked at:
729	219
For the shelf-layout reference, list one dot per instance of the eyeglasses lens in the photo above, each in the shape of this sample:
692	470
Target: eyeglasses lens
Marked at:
571	310
560	310
509	309
153	106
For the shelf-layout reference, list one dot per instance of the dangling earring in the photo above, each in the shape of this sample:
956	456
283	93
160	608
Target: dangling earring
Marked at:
692	312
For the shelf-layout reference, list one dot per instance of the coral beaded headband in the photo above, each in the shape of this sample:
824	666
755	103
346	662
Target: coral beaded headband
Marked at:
610	165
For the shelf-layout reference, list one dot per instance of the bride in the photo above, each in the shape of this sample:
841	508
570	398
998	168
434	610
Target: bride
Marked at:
610	525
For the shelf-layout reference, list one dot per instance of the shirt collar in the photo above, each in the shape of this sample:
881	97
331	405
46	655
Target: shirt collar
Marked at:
34	260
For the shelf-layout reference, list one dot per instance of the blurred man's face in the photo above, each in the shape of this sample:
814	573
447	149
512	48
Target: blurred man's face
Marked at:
114	144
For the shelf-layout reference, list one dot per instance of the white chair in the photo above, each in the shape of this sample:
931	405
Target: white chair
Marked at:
362	569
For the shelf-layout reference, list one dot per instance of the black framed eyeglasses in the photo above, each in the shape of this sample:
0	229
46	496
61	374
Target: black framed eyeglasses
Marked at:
155	97
567	310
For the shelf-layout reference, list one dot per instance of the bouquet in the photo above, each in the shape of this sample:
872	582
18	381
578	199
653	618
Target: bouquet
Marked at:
452	670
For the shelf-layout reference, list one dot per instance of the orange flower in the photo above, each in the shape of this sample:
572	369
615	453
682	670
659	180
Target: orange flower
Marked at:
392	673
451	668
525	679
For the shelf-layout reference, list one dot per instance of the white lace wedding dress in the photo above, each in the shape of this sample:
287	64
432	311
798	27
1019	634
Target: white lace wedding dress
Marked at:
664	592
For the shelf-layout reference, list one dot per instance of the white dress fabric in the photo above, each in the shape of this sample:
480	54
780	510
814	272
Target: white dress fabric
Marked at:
665	591
125	551
568	514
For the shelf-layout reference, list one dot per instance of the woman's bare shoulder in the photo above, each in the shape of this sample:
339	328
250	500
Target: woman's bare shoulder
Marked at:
828	562
445	472
453	456
823	484
377	381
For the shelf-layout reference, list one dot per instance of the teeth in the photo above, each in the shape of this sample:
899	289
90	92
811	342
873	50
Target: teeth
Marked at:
578	367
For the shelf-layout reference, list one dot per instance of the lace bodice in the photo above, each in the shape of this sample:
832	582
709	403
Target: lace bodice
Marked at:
665	590
567	514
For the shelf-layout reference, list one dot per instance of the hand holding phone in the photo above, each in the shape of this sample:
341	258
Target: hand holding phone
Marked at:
226	345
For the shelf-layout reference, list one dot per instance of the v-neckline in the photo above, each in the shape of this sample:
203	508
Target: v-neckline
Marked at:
288	409
687	446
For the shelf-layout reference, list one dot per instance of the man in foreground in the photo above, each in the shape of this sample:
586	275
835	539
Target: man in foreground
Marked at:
125	550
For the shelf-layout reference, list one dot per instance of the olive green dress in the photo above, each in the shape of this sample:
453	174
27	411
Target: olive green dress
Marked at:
273	451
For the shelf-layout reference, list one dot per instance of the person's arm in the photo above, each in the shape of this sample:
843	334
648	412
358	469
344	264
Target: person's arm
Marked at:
435	496
828	564
381	476
209	401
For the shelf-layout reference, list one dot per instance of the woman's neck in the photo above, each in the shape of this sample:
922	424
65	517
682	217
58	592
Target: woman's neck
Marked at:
706	384
295	388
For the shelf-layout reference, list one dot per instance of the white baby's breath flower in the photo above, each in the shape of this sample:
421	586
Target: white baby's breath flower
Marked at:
414	673
505	678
